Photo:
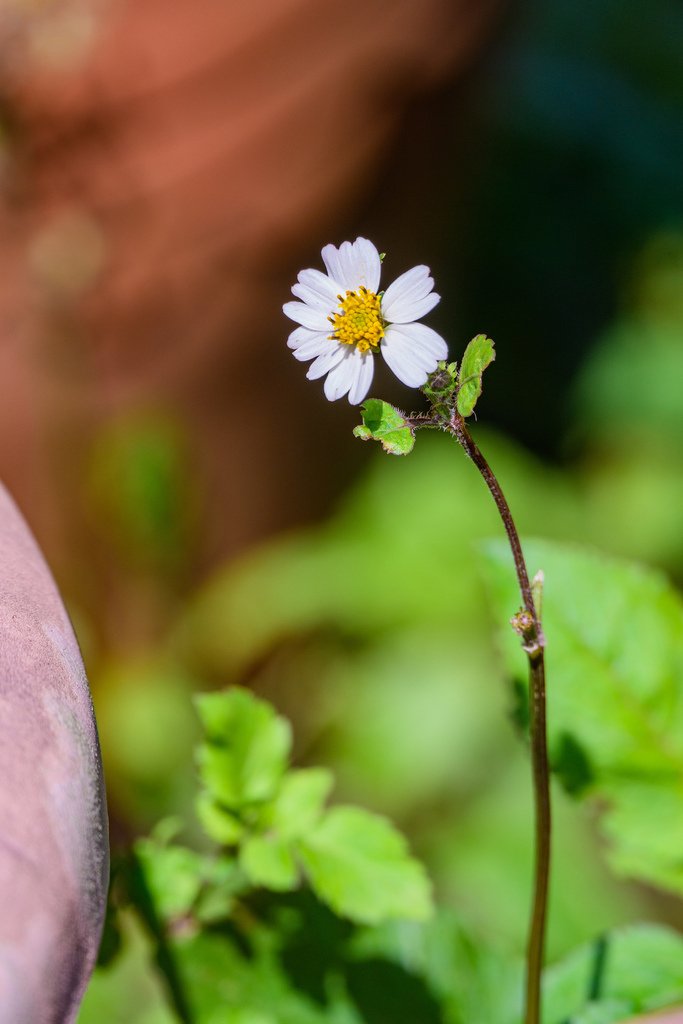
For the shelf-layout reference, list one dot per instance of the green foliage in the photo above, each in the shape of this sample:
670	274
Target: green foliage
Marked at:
245	752
479	354
630	971
276	817
381	666
359	864
217	931
127	991
268	860
615	670
174	876
382	422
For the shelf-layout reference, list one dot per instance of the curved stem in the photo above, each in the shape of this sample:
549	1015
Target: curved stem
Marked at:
529	628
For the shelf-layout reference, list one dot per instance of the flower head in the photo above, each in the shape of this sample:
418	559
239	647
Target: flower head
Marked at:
344	321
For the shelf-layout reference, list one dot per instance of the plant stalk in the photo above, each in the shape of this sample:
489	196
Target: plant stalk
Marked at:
528	625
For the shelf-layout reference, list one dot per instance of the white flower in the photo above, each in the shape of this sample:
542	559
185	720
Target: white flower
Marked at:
345	320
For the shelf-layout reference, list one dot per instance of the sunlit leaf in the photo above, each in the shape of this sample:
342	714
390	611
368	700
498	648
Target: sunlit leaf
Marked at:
360	865
268	861
173	876
300	801
479	354
247	747
382	422
221	825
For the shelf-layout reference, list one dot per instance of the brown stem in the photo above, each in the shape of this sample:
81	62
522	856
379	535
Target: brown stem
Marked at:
529	627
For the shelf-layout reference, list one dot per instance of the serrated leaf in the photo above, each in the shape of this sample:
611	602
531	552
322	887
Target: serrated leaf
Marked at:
359	864
479	354
615	694
641	969
382	422
268	860
247	748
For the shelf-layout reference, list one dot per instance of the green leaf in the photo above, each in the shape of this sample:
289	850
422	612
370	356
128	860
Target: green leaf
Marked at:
300	802
268	861
640	969
223	882
615	696
382	422
222	826
644	827
359	864
173	875
478	355
247	748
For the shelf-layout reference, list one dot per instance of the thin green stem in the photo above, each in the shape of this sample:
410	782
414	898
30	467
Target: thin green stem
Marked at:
529	627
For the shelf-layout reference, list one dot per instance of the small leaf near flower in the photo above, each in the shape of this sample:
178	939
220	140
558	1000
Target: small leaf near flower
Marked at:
478	355
381	422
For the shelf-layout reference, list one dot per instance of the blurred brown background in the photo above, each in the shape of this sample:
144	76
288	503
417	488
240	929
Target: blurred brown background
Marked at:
165	169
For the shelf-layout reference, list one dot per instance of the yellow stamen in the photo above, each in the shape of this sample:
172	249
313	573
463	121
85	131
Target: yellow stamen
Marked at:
359	321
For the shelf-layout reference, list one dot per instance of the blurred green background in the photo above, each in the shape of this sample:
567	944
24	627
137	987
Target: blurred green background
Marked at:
259	544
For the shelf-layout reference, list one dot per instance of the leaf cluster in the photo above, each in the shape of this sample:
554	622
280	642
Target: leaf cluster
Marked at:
449	393
238	939
275	819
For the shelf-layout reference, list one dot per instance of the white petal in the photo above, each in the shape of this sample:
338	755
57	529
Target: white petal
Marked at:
409	297
341	377
428	346
313	299
368	264
332	259
409	311
314	345
305	315
319	289
299	335
407	355
364	367
401	367
327	361
351	264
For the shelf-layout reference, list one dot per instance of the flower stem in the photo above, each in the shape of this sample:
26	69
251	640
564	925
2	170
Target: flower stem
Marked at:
529	627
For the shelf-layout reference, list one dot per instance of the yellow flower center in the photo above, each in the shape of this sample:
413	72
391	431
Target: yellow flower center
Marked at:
358	321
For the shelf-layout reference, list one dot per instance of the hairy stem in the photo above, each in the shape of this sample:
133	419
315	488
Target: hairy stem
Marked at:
529	627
